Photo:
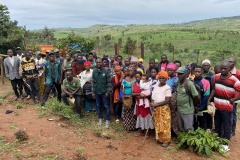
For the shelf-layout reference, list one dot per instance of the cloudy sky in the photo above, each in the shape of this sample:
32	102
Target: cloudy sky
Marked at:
36	14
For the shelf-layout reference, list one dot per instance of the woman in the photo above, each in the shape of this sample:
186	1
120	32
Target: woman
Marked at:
116	83
85	82
77	66
172	81
129	120
67	65
161	96
153	79
144	117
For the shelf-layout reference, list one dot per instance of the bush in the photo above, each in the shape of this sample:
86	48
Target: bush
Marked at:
202	142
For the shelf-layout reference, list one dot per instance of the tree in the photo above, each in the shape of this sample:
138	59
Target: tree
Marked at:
120	41
48	36
130	46
10	34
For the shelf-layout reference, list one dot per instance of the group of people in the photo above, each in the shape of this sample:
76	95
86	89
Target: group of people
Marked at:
167	97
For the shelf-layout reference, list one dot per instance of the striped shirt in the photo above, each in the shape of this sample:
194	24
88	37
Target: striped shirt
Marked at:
224	91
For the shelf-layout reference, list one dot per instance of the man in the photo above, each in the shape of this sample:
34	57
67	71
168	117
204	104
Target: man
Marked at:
94	55
101	91
112	59
185	100
20	55
79	52
58	57
206	65
163	63
52	77
47	53
91	60
204	86
224	91
236	73
11	65
30	76
151	64
71	88
126	62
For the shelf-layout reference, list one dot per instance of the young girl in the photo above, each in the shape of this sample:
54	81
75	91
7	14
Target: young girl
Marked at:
145	91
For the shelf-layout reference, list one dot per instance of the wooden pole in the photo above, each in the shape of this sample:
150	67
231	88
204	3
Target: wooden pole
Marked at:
2	70
142	50
198	53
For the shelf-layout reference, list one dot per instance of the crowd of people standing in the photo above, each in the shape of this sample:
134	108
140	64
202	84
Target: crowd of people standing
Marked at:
167	97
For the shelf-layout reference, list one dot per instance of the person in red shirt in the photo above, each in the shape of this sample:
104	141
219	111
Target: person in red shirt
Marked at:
224	91
77	66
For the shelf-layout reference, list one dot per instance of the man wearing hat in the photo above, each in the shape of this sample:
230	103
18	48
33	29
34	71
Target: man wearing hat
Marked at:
47	53
185	98
20	55
52	77
80	53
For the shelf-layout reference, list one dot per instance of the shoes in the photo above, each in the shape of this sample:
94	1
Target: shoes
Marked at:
28	97
107	124
16	98
21	96
166	144
100	121
117	120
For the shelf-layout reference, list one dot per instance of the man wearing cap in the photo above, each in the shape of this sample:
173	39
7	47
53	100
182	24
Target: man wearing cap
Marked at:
185	100
80	53
20	55
52	77
40	66
58	57
11	66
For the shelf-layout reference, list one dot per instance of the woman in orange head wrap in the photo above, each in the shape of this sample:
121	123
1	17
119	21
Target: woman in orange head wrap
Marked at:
116	83
161	96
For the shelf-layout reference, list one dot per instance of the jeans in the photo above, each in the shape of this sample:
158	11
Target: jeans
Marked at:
234	113
101	99
26	89
48	90
33	83
117	109
77	101
17	85
223	119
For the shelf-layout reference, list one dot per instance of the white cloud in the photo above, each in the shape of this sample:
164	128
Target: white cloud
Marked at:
82	13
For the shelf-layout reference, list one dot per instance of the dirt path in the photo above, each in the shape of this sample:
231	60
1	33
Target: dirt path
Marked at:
59	140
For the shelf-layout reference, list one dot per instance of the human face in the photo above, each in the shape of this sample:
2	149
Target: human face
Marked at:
87	67
162	80
138	77
217	70
153	73
57	54
164	59
39	56
206	66
232	63
105	63
51	58
127	62
112	58
182	76
170	72
144	78
140	63
69	76
224	68
19	51
118	72
79	57
119	59
99	63
105	56
131	72
198	72
134	64
151	63
10	53
126	72
28	55
178	65
90	57
67	57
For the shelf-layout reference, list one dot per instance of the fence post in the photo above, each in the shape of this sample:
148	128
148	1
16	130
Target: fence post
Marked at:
198	53
142	50
116	47
1	69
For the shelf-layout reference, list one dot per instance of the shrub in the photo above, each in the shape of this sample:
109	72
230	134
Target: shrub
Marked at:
202	142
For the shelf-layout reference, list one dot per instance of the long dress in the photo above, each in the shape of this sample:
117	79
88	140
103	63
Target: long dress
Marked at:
129	120
144	117
162	114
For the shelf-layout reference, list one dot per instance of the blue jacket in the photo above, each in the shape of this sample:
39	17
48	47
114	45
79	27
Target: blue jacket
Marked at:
48	72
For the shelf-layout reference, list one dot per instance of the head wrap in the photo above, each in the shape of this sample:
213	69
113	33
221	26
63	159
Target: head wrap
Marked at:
206	61
116	63
87	63
140	60
172	66
162	74
117	68
134	59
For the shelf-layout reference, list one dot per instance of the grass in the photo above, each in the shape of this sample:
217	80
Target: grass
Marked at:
13	127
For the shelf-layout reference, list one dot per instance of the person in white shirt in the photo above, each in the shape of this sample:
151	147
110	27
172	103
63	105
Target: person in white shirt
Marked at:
145	90
40	66
20	55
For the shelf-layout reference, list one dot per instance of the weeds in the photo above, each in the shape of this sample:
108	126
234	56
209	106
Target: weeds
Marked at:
13	127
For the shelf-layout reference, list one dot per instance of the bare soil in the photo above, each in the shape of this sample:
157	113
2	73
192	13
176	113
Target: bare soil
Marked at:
58	139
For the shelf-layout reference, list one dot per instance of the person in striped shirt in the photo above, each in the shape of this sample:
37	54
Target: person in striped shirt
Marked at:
224	91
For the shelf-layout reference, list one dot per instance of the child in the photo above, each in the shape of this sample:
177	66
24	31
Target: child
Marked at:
145	90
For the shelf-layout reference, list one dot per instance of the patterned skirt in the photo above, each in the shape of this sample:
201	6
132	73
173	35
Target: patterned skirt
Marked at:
129	120
162	123
144	118
41	85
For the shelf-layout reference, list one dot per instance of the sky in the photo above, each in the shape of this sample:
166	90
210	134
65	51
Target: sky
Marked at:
36	14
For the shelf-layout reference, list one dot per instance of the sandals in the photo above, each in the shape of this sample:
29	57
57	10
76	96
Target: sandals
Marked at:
166	144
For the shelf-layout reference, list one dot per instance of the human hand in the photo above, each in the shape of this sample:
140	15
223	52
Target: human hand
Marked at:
106	95
231	100
94	96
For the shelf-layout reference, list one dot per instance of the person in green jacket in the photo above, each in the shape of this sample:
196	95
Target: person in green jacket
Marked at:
101	90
